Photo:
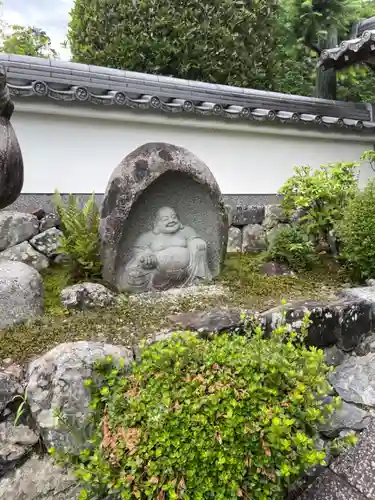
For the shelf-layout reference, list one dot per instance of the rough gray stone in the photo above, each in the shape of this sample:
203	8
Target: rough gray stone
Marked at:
48	222
249	214
149	178
347	417
328	486
354	380
56	382
275	269
16	227
39	479
21	293
47	242
366	346
10	386
361	293
15	443
214	321
253	238
86	296
357	466
11	163
273	215
333	356
24	252
234	240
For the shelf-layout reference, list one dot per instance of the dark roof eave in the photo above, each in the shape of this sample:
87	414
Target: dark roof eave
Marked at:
72	82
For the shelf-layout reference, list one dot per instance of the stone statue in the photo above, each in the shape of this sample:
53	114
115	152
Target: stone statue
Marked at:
171	255
11	163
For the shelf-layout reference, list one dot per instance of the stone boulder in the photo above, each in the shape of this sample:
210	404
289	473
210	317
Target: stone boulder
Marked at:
153	177
49	221
253	238
24	252
16	441
21	293
39	479
16	227
10	386
276	269
273	215
347	417
354	380
214	321
87	296
56	382
249	214
47	242
234	240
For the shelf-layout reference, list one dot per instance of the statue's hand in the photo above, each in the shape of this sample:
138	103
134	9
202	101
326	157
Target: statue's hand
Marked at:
200	244
148	261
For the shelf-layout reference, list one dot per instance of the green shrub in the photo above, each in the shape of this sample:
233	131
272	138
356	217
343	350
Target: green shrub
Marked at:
197	419
80	240
292	247
356	231
320	195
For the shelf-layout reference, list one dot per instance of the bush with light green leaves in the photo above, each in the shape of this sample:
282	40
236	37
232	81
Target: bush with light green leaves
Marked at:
356	231
292	247
234	417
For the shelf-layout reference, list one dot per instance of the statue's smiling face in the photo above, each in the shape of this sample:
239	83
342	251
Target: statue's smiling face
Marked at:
167	221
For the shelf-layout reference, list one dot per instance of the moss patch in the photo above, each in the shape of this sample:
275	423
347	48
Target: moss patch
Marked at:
127	323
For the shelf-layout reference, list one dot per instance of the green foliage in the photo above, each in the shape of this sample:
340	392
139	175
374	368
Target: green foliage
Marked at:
357	232
80	240
28	41
292	246
219	41
55	279
320	195
341	444
196	419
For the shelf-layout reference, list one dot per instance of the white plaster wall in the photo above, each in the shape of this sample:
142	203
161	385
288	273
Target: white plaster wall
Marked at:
78	154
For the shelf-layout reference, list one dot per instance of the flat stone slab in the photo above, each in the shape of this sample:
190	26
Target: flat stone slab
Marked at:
331	487
357	466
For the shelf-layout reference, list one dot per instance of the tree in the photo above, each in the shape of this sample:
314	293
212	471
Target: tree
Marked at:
28	41
222	41
306	28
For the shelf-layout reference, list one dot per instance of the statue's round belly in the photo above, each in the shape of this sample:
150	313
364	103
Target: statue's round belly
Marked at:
173	259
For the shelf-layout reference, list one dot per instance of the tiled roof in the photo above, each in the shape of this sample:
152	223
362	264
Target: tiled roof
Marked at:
69	82
360	47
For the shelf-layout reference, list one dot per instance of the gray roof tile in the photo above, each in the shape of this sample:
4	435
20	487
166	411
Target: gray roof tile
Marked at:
67	81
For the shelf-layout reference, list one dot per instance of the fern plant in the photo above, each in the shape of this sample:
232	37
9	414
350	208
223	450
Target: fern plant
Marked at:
80	239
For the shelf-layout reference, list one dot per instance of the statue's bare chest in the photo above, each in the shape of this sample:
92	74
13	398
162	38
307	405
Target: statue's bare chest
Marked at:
164	241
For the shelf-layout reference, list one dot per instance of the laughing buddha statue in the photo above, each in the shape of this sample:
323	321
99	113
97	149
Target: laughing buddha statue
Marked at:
171	255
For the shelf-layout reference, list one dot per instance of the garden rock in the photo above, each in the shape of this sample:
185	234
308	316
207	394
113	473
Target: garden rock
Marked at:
250	214
347	417
24	252
39	479
10	386
253	238
333	356
273	215
87	296
21	293
48	222
214	321
366	346
56	382
47	242
15	443
275	269
354	380
234	239
16	227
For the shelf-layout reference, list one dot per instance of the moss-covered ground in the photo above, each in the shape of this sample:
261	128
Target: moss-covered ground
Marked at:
128	322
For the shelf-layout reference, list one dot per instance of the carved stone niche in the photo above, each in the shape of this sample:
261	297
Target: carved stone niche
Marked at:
163	221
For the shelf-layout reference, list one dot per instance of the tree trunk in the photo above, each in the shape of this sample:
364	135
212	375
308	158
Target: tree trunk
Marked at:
325	84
